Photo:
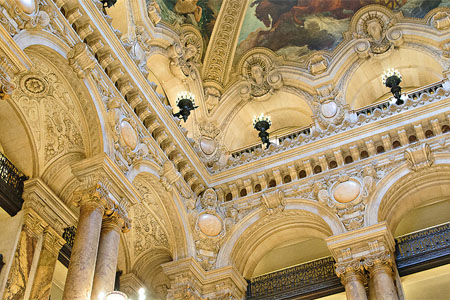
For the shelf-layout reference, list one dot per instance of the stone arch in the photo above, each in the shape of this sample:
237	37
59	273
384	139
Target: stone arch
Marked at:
404	190
361	90
168	210
259	233
147	267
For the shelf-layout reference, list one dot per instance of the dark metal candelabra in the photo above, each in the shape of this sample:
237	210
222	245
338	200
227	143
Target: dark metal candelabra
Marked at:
262	124
186	104
392	79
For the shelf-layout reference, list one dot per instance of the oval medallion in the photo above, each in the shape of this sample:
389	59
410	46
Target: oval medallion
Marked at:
207	145
346	191
28	6
209	224
128	134
329	109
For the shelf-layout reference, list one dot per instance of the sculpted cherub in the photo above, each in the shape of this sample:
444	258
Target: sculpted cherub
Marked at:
184	7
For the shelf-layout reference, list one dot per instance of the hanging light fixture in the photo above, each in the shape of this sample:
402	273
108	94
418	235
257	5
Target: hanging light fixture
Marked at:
391	79
108	3
186	103
262	124
114	295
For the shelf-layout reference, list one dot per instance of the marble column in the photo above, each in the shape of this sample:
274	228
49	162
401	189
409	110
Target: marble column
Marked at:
19	273
46	265
381	276
80	274
108	251
353	278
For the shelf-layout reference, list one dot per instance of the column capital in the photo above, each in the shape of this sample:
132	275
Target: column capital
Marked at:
117	220
377	261
352	270
188	279
33	224
104	178
38	196
361	243
53	242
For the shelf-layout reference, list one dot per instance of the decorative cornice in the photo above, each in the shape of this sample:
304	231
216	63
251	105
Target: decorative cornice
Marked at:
40	197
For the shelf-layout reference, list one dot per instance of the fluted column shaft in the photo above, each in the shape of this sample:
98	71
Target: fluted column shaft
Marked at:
80	274
108	251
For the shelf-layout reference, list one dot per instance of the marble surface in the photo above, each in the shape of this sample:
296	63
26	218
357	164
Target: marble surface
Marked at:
43	279
105	269
20	268
80	274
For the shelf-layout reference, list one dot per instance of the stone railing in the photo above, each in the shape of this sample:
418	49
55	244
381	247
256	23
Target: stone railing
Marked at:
361	117
305	279
11	186
412	95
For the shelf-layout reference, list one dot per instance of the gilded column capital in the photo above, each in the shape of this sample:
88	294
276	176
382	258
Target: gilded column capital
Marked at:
350	271
33	225
53	242
117	220
93	198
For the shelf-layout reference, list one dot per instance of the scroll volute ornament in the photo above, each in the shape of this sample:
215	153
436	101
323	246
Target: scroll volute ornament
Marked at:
419	157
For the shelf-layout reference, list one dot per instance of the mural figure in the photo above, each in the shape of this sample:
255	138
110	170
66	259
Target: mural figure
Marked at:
184	7
200	13
294	28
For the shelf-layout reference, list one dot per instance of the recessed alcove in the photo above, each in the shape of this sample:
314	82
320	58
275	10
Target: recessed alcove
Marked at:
287	111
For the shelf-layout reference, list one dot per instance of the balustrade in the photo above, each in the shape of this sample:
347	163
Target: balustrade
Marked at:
11	186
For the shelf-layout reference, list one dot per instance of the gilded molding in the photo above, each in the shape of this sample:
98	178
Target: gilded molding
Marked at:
219	56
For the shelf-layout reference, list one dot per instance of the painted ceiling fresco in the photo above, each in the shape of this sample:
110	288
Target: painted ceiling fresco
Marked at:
294	28
200	13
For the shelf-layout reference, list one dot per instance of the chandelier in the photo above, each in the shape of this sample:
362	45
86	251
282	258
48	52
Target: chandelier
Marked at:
186	103
391	78
262	124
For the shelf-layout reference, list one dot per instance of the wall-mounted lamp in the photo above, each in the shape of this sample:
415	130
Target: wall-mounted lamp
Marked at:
391	79
186	103
262	124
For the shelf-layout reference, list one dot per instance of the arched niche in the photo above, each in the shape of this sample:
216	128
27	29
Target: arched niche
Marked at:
402	192
291	253
148	268
16	140
270	236
286	110
424	216
418	68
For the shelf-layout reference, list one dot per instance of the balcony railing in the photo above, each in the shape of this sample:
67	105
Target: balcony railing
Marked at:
423	249
415	252
364	112
11	186
313	278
